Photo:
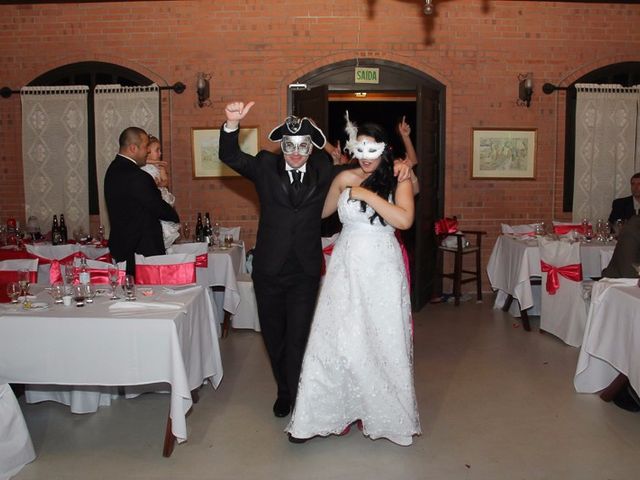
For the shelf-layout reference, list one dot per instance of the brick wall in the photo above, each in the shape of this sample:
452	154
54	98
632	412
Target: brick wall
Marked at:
254	49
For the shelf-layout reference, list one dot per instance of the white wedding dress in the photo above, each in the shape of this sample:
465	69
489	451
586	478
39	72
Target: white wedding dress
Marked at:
358	364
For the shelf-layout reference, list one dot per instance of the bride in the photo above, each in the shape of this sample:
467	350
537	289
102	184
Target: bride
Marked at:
358	365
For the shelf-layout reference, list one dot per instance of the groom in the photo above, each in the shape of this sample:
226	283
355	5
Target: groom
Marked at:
292	186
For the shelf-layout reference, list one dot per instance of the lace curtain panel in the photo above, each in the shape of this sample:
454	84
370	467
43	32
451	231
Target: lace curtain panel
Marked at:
607	142
116	108
54	154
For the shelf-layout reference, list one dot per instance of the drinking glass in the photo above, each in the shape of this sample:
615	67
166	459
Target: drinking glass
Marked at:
186	231
57	291
69	273
23	281
78	293
129	288
216	234
89	292
13	291
114	280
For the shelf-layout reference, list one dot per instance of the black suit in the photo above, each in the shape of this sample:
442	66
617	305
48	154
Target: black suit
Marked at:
622	208
288	252
627	251
135	209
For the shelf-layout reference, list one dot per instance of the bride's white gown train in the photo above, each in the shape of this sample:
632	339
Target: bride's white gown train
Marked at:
358	364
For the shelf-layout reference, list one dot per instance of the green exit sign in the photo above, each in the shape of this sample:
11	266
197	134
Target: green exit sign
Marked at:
367	75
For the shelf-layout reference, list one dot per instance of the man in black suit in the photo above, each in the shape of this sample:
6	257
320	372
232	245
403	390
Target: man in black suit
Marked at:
134	202
292	186
626	207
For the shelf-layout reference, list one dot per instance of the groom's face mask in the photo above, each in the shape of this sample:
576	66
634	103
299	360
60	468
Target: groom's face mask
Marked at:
296	149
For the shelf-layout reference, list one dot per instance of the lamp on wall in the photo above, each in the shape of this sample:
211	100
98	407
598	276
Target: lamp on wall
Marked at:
428	7
202	89
525	89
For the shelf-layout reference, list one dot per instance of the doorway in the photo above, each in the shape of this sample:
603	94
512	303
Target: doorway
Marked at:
401	90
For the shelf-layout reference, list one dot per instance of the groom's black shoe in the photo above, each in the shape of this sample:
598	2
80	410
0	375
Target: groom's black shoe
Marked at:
281	408
293	439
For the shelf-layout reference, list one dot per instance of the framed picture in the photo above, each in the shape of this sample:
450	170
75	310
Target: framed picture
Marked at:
204	150
509	154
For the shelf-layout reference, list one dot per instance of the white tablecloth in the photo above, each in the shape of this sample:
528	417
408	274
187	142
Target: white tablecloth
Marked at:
611	343
95	346
514	261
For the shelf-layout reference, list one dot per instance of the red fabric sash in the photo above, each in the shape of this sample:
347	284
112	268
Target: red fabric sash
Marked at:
328	250
564	229
202	261
7	254
571	272
180	274
446	225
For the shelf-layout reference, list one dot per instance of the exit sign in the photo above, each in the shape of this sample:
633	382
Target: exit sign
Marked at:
367	75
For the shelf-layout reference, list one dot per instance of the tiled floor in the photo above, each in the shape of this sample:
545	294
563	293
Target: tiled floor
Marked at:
495	403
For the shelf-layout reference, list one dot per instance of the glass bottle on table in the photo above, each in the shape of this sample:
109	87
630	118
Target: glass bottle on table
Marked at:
208	232
63	230
84	277
199	229
55	231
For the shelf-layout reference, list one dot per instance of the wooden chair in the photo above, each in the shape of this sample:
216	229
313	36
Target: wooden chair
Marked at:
459	249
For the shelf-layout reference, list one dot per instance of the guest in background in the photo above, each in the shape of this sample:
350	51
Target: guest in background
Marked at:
157	169
626	207
134	203
627	251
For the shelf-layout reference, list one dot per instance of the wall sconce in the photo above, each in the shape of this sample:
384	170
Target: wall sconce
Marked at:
428	7
202	89
525	89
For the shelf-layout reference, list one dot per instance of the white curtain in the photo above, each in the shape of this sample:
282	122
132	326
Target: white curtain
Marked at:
54	155
117	108
607	142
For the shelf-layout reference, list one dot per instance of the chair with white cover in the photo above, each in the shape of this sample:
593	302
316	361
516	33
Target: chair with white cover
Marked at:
525	229
48	253
16	449
247	314
171	269
233	231
563	308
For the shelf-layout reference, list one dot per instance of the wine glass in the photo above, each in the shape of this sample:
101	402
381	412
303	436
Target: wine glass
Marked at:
228	240
69	273
130	288
23	281
57	291
78	293
186	231
216	234
13	291
114	280
89	292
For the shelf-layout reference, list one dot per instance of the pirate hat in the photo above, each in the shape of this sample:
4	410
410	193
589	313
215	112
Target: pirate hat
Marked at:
298	126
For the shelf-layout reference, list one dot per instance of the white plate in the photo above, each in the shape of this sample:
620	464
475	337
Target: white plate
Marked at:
29	297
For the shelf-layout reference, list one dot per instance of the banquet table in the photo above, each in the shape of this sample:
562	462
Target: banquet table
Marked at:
514	261
167	336
611	344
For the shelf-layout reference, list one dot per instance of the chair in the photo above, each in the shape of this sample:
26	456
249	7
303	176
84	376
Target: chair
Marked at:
563	228
525	229
563	309
234	231
16	449
247	314
172	269
458	245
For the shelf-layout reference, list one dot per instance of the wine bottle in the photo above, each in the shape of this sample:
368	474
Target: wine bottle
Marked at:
208	231
63	230
199	229
84	276
55	231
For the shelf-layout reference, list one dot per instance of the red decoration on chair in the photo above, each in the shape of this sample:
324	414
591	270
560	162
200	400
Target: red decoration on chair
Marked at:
564	229
446	225
571	272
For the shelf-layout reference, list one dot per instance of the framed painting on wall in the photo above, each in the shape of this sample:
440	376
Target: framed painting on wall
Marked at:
503	154
204	151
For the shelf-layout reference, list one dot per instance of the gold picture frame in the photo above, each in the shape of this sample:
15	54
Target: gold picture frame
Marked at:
204	151
503	154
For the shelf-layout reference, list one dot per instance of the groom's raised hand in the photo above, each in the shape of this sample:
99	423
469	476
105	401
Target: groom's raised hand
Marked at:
236	111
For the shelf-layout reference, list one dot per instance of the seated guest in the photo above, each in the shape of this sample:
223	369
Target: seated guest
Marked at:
626	207
627	251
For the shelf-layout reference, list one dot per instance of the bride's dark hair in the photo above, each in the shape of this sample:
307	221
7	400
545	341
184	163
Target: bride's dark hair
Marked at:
382	180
